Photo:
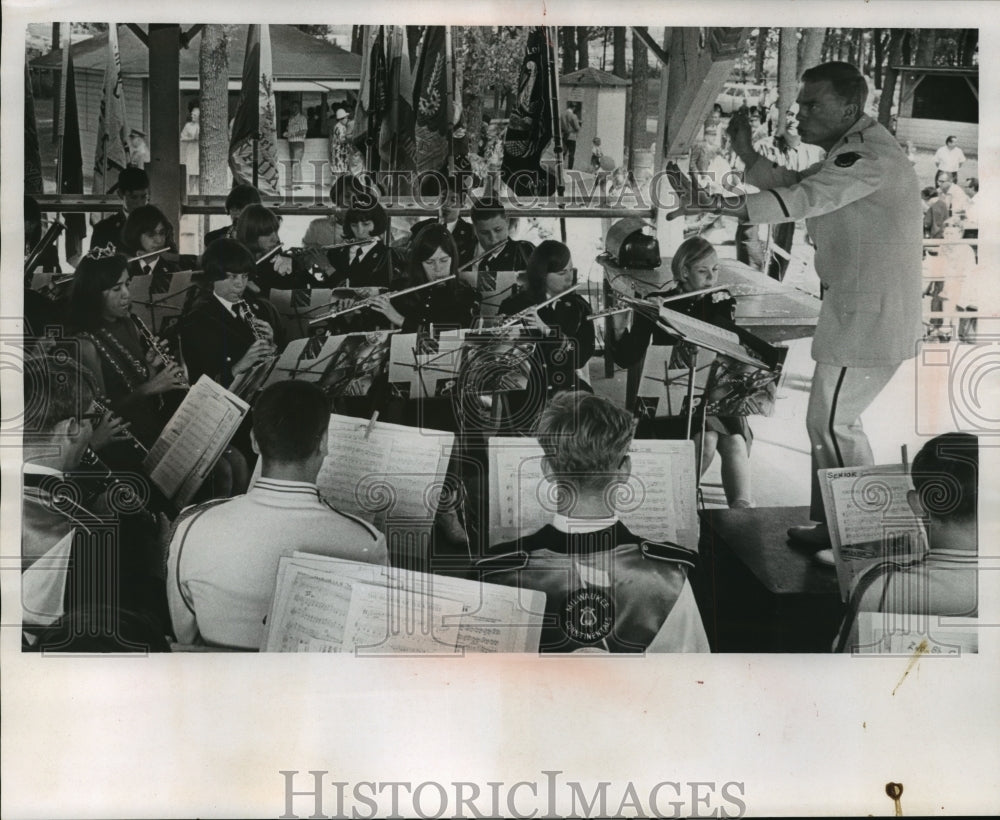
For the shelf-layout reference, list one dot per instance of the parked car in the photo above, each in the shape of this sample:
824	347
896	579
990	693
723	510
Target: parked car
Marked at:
736	95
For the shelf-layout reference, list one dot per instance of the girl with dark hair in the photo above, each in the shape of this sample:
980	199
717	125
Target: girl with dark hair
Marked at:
228	329
563	328
129	374
695	266
433	257
148	230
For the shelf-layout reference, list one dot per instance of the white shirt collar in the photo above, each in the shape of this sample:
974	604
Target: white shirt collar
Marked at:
229	306
564	523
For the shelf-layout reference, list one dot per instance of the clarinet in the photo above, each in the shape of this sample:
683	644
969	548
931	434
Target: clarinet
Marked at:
153	343
101	406
245	312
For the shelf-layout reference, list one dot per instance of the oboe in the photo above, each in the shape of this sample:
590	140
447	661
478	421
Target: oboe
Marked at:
153	343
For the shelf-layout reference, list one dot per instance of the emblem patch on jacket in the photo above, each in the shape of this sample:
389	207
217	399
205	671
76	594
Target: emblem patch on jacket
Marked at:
589	616
846	160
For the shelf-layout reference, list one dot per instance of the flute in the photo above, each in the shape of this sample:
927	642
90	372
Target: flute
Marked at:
149	255
153	343
483	255
367	303
519	316
298	251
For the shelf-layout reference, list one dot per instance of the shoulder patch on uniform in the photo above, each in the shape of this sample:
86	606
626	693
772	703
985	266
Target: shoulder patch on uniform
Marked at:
847	159
668	551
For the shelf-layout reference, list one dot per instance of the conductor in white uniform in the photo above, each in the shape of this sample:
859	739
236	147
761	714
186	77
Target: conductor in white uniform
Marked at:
862	210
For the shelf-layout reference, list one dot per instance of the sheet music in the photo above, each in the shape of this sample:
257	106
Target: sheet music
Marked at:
421	373
324	604
390	472
658	502
708	336
869	517
194	439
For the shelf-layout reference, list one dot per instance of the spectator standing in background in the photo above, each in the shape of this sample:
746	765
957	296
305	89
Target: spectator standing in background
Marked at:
949	157
570	128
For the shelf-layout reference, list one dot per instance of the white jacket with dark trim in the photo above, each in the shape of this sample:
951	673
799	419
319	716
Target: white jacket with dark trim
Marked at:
862	210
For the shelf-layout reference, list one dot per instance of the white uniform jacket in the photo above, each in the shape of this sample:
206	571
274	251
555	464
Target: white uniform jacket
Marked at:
223	559
862	210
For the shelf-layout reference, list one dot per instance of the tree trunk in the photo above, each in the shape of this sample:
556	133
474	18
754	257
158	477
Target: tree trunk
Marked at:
788	74
618	67
812	48
926	40
640	88
568	34
582	47
213	138
758	65
906	48
878	43
889	84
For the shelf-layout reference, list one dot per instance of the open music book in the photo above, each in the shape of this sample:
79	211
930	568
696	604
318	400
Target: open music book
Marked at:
324	604
706	335
391	471
869	518
194	439
658	502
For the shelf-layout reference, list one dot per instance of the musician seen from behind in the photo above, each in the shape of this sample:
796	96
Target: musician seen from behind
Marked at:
133	189
147	230
449	305
695	266
60	508
944	580
495	251
606	587
229	329
130	375
562	327
224	556
241	195
450	216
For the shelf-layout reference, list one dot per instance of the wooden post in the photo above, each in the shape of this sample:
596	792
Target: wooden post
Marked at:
167	183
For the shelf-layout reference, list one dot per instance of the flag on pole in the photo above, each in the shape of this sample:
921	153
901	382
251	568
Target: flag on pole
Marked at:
71	158
253	150
396	145
32	152
371	96
530	127
432	101
112	153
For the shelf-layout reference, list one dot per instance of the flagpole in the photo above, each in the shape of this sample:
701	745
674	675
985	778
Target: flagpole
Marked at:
552	53
449	50
61	125
256	140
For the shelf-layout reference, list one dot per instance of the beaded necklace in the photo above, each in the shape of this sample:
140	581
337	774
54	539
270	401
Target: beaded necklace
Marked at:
119	357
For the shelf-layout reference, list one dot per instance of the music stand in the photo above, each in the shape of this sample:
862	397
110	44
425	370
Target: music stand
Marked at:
493	288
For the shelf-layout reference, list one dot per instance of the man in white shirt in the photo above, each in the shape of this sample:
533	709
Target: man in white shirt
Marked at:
224	555
949	157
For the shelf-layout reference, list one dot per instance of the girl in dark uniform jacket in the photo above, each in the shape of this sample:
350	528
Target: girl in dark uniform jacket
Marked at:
695	266
146	230
433	257
257	228
565	332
